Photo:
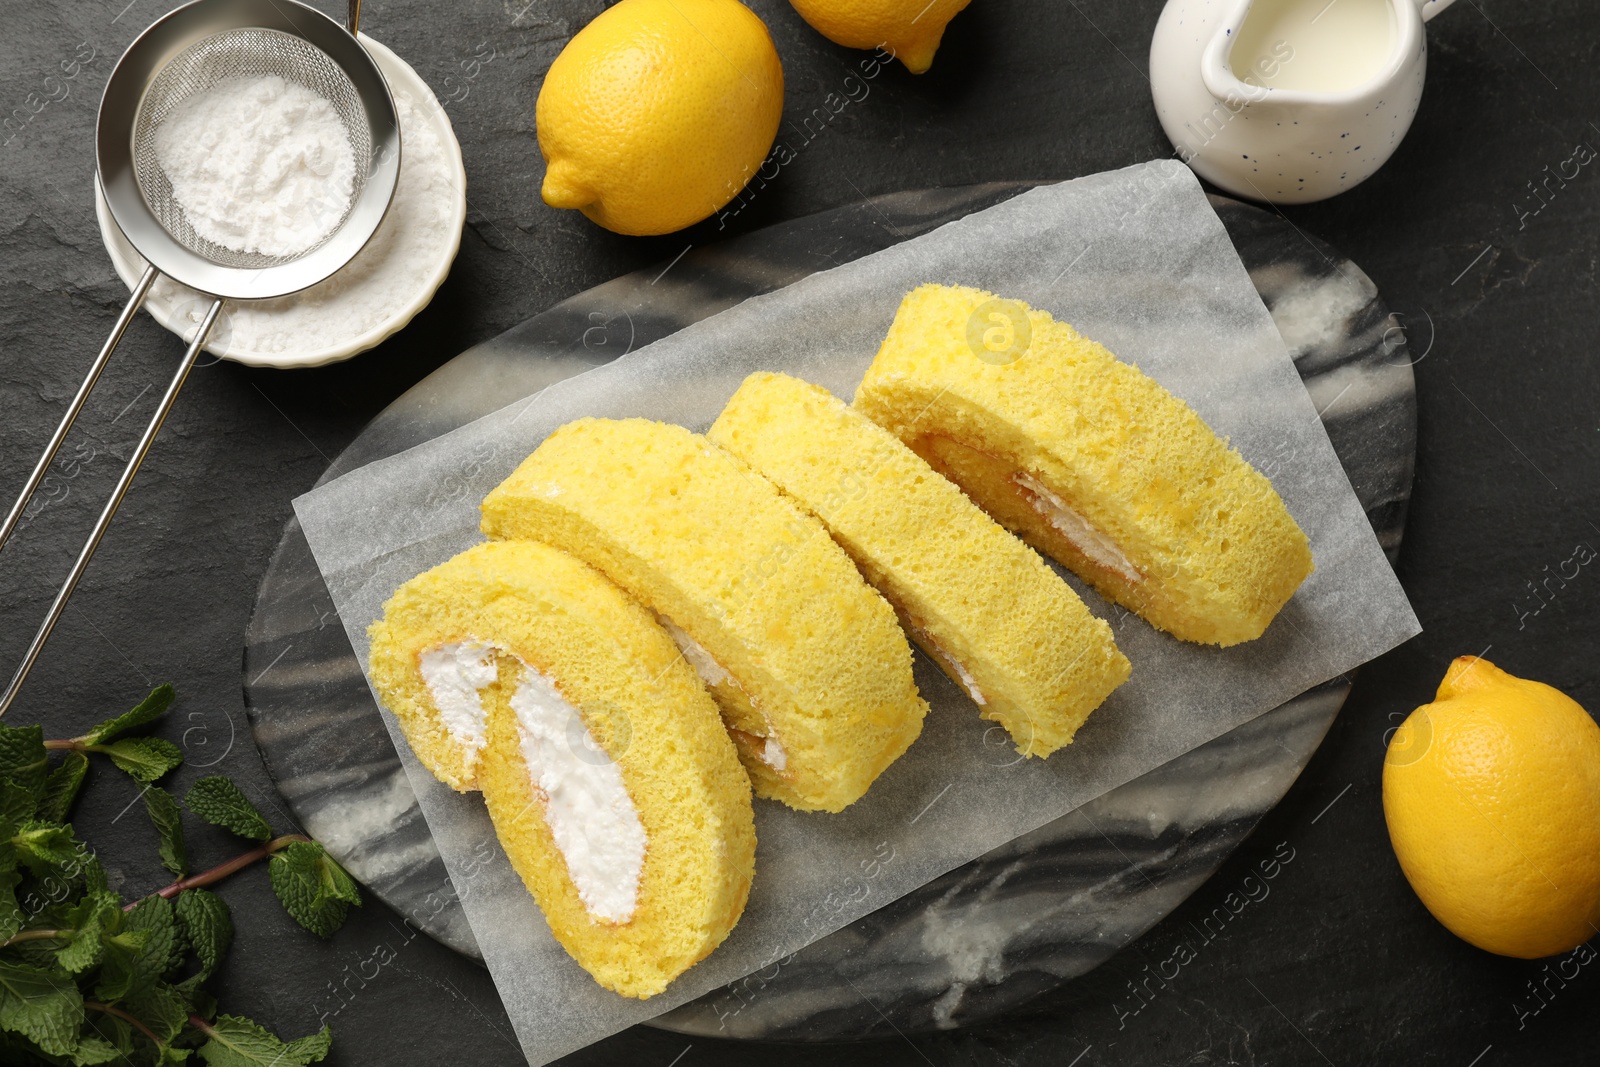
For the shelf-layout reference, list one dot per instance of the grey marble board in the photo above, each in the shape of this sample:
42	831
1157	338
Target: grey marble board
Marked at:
1029	915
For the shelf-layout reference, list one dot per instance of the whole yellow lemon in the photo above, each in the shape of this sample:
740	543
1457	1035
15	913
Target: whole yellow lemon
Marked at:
1492	796
910	29
658	112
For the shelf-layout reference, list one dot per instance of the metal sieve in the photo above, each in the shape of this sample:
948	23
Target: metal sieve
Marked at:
239	54
184	53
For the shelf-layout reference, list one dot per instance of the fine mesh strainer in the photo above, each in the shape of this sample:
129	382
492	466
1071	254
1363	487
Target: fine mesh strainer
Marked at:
188	52
245	53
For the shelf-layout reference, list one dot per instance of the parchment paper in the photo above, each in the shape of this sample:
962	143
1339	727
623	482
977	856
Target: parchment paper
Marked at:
1135	259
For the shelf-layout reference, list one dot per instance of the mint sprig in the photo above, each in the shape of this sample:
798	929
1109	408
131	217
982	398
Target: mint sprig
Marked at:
88	978
147	759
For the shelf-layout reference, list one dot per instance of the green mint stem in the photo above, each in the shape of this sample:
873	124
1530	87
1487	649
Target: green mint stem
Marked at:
38	935
94	1005
223	870
73	744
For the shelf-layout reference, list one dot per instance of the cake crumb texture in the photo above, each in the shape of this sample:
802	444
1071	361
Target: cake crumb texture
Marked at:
815	660
978	600
1215	551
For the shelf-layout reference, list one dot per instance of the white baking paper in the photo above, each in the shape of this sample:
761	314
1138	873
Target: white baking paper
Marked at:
1134	258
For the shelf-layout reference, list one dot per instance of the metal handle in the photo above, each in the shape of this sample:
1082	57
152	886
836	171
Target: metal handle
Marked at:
50	450
352	22
117	494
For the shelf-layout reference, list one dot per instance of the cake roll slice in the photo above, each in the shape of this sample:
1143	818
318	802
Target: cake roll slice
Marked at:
1088	460
811	672
990	612
612	785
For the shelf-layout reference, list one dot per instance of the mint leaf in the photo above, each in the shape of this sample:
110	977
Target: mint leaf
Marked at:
207	926
10	911
236	1042
315	891
148	711
17	803
118	967
162	1008
22	756
88	922
312	1047
45	1008
201	1003
61	788
164	947
94	875
146	950
293	873
340	885
168	820
219	802
146	758
93	1051
41	846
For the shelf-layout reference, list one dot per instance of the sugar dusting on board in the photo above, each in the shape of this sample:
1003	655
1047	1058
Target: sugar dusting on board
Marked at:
258	164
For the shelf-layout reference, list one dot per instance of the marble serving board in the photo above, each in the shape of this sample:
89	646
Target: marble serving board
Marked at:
1029	915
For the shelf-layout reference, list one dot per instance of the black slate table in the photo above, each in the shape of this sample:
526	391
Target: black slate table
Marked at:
1338	963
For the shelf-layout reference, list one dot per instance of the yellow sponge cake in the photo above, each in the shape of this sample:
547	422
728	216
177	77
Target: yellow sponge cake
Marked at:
612	785
805	659
999	621
1089	460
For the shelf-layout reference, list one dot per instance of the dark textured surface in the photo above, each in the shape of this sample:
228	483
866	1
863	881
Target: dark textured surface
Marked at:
1338	963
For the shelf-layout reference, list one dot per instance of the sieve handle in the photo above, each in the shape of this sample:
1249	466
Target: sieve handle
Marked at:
120	491
353	21
134	302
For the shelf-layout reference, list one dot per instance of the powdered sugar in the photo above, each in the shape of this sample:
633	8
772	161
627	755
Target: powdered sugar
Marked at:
369	295
258	164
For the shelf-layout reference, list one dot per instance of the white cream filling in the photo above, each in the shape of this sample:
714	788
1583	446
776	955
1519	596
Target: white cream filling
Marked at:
964	676
710	671
714	674
588	809
1076	529
968	682
590	814
454	673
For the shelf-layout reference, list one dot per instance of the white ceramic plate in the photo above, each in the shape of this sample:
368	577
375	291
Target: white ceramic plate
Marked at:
174	314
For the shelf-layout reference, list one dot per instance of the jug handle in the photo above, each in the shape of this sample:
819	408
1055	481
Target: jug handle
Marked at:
1431	8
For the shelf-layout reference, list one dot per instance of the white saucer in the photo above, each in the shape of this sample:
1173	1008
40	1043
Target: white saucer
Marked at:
175	314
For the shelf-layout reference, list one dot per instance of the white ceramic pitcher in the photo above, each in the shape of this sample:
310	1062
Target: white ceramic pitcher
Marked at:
1288	101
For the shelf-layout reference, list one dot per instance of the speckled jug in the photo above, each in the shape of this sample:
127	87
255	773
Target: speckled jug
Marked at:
1287	143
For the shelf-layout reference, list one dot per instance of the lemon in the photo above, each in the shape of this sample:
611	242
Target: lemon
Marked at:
1492	796
910	29
658	112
